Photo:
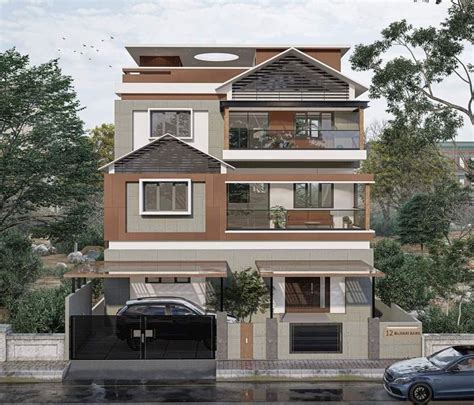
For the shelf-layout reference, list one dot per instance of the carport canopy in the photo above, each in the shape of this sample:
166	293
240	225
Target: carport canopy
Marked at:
316	268
114	269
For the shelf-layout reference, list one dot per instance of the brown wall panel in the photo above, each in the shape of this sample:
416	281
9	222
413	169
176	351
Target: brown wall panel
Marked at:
186	97
181	75
281	120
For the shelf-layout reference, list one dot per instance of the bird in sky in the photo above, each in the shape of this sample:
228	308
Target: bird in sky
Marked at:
59	50
92	46
97	50
110	66
85	46
64	38
81	53
111	37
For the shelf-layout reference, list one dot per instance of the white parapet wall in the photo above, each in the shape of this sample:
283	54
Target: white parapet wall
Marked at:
30	346
433	342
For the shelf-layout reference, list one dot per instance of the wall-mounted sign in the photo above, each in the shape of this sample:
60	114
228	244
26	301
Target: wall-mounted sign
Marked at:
402	331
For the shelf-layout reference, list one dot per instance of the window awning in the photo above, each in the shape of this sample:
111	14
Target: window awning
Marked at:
193	269
316	268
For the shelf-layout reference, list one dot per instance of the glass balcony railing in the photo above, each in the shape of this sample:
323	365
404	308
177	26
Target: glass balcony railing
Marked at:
242	138
304	219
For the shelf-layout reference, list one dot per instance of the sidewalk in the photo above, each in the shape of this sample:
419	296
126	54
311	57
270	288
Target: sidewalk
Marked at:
35	370
301	369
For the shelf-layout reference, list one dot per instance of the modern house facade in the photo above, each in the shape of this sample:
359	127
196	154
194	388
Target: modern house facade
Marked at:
236	157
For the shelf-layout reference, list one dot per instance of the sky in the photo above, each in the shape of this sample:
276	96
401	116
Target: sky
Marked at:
37	28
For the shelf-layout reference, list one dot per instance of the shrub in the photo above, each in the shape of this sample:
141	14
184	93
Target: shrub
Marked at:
436	321
92	236
40	311
19	266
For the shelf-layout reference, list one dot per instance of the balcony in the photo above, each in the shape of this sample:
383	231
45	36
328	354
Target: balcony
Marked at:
283	219
241	138
289	135
298	206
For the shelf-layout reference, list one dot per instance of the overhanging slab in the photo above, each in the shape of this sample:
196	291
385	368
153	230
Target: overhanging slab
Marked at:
316	268
193	269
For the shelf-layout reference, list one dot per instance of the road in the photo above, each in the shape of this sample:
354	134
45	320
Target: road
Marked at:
221	392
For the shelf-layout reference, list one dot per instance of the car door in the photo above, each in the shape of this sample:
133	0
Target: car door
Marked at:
457	381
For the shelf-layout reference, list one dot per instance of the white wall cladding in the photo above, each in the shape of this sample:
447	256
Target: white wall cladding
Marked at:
338	295
141	130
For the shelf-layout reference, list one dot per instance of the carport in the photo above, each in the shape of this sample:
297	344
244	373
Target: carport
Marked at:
93	340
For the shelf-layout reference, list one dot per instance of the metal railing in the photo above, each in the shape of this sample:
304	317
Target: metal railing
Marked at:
305	219
242	138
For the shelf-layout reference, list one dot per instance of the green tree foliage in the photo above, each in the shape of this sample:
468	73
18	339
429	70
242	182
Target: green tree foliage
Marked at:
402	167
420	222
19	266
427	217
245	295
406	281
40	311
47	164
427	57
102	138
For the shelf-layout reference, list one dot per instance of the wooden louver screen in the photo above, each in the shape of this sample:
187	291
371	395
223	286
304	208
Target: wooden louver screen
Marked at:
290	78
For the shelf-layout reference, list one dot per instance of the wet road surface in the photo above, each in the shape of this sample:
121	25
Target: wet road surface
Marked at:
221	392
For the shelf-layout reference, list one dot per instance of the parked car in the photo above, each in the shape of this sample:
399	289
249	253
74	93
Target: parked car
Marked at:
129	317
447	374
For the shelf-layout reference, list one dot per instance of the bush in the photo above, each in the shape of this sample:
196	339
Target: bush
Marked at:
40	311
19	266
436	321
406	281
380	225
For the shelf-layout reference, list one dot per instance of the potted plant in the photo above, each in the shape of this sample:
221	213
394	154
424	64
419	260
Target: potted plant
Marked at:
278	216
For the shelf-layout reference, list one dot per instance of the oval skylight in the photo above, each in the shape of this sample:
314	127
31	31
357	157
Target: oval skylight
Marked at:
216	57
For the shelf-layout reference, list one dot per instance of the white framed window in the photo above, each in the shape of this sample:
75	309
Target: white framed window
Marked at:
174	121
165	196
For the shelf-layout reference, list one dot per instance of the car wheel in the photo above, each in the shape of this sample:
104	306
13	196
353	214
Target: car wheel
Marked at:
420	393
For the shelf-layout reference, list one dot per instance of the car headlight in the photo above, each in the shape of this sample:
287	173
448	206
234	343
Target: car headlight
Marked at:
403	380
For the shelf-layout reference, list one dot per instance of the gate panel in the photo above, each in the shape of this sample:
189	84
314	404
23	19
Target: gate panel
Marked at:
142	337
179	337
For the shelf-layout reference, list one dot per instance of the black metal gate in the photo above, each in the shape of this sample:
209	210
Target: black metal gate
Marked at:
142	337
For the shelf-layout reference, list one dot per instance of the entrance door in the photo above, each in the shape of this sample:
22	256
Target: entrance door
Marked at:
246	341
302	294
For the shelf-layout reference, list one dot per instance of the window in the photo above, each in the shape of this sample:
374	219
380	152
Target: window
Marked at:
316	338
177	309
146	310
167	280
239	193
177	123
246	128
313	195
165	197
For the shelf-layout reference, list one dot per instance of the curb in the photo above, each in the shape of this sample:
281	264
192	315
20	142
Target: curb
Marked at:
358	374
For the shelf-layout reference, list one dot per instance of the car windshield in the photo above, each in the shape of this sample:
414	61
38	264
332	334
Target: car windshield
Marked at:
442	359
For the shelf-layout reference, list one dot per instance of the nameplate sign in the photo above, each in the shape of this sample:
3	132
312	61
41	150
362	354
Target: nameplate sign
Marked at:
394	331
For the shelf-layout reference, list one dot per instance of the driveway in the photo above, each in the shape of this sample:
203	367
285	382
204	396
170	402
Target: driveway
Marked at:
222	392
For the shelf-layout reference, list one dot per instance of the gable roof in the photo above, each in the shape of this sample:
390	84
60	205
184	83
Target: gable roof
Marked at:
142	149
358	87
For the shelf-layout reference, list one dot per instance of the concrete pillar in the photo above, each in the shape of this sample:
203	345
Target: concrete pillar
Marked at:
222	336
4	331
272	339
374	338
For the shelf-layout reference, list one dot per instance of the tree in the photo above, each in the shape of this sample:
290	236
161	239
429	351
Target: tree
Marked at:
102	138
406	276
427	217
47	164
402	167
244	296
420	222
19	266
409	82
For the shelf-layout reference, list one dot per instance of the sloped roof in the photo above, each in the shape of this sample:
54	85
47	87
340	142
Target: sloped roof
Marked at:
138	151
359	88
